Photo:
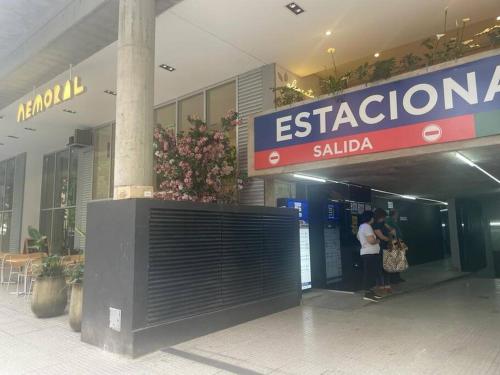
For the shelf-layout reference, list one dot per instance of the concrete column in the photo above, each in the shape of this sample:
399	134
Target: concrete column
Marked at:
133	176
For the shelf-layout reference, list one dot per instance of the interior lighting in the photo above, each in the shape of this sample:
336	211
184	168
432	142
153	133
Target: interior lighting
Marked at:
444	210
494	223
410	197
474	165
498	18
376	55
69	111
295	8
167	67
328	32
309	178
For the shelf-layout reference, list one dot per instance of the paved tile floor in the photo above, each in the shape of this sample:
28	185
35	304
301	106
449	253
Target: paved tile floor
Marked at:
453	328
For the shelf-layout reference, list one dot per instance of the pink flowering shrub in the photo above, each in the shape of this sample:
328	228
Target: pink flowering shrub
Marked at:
198	165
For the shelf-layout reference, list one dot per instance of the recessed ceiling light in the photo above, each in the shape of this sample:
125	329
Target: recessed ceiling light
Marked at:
13	136
498	18
376	55
69	111
30	129
328	32
110	92
167	67
295	8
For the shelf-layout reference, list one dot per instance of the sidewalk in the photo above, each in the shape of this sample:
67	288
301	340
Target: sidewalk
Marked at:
453	328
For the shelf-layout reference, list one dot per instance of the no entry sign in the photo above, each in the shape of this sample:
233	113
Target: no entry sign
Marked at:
453	104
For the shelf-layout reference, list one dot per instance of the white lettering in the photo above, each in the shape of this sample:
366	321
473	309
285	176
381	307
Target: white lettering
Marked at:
300	123
469	95
354	145
280	128
317	151
494	86
327	150
366	144
344	116
362	110
393	103
322	117
431	103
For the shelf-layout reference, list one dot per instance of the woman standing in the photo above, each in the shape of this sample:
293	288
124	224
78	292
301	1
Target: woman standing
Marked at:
370	254
384	235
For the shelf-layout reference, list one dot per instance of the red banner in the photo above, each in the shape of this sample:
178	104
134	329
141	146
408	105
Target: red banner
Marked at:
438	131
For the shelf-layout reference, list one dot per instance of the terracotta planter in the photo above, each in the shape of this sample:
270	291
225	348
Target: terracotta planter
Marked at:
75	307
49	297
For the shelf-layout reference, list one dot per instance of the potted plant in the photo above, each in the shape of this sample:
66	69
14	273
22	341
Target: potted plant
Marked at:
38	241
49	293
75	280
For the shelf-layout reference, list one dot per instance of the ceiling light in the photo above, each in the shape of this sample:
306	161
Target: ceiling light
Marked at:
331	50
167	67
110	92
13	136
328	32
310	178
295	8
69	111
472	164
498	18
376	55
30	129
494	223
444	210
411	197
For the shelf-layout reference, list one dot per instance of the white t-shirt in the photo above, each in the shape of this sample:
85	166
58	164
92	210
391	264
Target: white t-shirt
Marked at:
365	231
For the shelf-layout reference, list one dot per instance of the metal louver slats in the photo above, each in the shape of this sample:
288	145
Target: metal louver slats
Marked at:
201	261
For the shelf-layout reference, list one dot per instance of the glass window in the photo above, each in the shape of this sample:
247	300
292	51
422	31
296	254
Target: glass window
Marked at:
3	166
57	219
9	184
192	106
45	226
73	177
48	181
220	100
5	230
103	162
165	116
61	181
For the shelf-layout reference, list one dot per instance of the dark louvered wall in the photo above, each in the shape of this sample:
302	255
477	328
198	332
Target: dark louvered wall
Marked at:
204	261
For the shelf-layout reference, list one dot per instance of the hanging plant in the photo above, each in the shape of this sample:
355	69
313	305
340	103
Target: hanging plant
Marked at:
362	72
383	69
198	165
286	96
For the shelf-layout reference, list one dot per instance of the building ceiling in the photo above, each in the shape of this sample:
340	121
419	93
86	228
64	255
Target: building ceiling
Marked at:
435	176
207	42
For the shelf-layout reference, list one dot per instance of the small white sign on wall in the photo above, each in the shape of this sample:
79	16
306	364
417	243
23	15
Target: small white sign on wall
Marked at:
403	218
390	205
115	319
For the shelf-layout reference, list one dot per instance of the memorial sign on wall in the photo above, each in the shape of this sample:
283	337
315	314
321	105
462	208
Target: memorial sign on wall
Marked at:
52	96
457	103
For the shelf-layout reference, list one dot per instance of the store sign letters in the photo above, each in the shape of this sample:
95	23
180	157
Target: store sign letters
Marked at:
52	96
457	103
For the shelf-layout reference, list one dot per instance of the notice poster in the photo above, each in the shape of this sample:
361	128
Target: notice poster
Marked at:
305	257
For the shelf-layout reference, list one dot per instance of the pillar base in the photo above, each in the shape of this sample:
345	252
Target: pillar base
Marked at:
128	192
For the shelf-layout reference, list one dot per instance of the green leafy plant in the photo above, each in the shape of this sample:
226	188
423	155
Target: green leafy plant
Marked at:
74	273
51	266
38	241
286	96
383	69
410	62
362	72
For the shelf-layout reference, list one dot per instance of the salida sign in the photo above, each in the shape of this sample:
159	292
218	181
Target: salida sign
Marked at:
452	104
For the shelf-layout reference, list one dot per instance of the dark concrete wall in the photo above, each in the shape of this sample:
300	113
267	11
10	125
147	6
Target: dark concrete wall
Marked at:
178	270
